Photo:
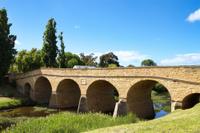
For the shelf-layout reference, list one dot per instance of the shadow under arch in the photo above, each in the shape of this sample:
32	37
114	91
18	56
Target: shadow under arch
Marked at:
42	90
27	90
102	97
68	94
139	99
190	100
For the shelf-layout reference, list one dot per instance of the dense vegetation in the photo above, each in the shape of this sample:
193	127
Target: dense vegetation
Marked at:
7	43
70	123
179	121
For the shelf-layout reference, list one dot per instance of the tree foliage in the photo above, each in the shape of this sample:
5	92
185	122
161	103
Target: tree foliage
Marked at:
28	60
159	88
148	62
109	58
130	65
61	54
72	60
50	49
88	60
112	66
7	43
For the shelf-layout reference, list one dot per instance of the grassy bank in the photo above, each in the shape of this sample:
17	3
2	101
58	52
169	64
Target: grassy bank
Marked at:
6	102
176	122
69	122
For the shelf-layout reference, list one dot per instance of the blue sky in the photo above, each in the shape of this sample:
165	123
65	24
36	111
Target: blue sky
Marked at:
165	30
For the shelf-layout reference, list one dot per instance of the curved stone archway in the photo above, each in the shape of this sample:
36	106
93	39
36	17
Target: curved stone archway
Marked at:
101	97
139	99
27	90
42	90
68	94
190	100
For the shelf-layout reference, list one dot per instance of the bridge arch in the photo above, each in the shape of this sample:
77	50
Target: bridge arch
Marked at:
42	90
68	94
139	98
190	100
27	89
102	96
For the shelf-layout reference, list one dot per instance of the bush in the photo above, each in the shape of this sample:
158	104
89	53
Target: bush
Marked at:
159	88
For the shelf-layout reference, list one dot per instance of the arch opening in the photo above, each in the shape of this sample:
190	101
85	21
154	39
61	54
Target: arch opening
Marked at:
190	100
147	100
27	90
68	94
42	91
102	97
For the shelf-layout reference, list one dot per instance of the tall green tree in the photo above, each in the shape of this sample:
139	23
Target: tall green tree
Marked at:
88	60
7	43
107	59
148	62
61	54
28	60
50	49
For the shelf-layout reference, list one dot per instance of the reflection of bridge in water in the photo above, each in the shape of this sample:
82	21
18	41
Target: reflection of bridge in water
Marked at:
95	89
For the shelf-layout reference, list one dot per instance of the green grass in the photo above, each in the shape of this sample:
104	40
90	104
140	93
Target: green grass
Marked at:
7	122
69	123
180	121
6	102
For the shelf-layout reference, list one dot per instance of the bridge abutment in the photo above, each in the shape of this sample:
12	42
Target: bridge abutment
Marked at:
175	105
82	106
53	100
120	108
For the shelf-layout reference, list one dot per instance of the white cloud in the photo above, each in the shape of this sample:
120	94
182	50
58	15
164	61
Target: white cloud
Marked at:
183	59
195	16
126	57
77	26
17	42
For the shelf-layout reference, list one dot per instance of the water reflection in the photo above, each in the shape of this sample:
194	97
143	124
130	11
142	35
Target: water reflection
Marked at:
158	107
28	112
161	113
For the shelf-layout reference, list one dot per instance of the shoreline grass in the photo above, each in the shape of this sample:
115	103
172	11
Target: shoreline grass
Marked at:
179	121
66	122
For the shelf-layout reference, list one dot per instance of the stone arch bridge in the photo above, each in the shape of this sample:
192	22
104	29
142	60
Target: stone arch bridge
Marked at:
118	90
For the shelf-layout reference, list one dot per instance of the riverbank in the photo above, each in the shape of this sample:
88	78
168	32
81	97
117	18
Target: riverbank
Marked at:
7	103
179	121
66	122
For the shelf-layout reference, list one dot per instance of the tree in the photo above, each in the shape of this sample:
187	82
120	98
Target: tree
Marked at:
112	66
7	43
50	50
28	60
61	54
130	65
148	62
72	60
107	59
88	60
159	88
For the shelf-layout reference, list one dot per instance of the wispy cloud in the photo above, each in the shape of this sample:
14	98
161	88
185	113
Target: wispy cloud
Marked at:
17	42
77	26
195	16
183	59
